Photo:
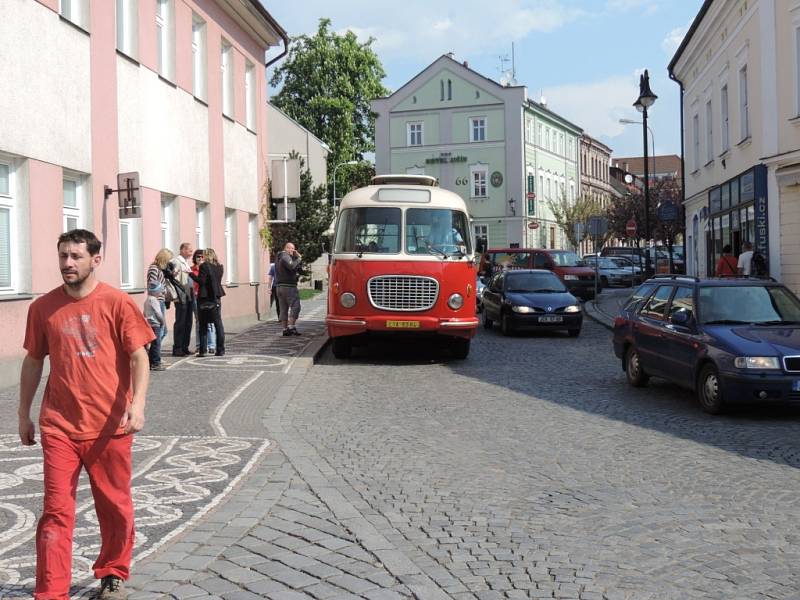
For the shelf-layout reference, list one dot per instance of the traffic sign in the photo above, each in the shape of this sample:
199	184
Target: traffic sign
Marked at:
668	211
531	196
597	225
631	228
533	224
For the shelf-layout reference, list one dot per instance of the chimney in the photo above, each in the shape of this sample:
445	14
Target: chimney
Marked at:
466	64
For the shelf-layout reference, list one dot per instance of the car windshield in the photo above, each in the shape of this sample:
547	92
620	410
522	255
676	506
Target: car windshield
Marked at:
603	263
533	282
567	259
368	230
622	262
437	231
748	304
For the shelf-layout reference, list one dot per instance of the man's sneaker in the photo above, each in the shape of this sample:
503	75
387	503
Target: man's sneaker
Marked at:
158	367
287	332
294	331
112	588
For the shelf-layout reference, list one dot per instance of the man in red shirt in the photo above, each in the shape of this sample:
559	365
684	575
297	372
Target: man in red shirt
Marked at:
94	400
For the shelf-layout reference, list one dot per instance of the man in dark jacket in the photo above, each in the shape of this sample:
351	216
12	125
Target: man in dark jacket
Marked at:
287	272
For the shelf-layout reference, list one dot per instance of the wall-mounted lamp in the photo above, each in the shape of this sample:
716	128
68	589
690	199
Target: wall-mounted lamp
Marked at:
723	163
512	206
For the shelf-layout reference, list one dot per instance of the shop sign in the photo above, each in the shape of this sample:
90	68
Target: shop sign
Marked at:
446	157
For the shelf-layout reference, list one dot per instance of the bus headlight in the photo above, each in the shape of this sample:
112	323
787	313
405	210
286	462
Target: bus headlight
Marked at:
348	300
455	301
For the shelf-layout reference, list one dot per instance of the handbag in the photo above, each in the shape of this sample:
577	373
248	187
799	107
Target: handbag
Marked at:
206	305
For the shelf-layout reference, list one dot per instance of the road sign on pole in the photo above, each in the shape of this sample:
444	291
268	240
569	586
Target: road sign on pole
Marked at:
631	228
597	226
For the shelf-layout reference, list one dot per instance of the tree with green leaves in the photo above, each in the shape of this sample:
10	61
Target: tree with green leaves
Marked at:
329	80
567	214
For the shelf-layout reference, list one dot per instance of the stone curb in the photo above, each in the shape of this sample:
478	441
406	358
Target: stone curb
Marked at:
597	315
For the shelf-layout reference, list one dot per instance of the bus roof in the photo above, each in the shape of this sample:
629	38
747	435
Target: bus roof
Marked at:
406	180
421	191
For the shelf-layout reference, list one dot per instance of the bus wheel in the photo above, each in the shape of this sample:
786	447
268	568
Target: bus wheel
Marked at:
460	348
342	348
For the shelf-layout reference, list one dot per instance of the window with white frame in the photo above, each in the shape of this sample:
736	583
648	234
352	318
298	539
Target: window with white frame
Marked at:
199	57
481	231
571	190
414	134
75	11
127	27
230	245
539	134
529	131
72	189
547	138
250	94
200	227
165	37
168	223
253	245
725	139
478	176
744	104
478	129
541	185
709	133
125	254
547	189
227	79
696	142
7	227
561	143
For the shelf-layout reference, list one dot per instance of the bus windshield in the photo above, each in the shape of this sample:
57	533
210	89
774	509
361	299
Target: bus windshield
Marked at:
368	230
439	231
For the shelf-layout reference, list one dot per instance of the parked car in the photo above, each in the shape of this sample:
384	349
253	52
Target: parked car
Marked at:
610	273
730	340
578	278
479	287
533	299
637	273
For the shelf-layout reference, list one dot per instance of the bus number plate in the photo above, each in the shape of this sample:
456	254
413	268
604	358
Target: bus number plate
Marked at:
402	324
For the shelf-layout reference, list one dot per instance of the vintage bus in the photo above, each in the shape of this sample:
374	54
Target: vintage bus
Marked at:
402	263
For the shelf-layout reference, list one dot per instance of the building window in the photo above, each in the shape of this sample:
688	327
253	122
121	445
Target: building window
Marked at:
253	245
7	228
696	142
744	116
571	190
709	133
541	184
552	236
481	231
227	79
168	223
73	202
230	245
127	27
250	94
414	131
539	134
75	11
479	176
199	60
449	90
125	255
478	129
200	228
547	138
725	135
441	90
165	37
529	131
547	193
561	144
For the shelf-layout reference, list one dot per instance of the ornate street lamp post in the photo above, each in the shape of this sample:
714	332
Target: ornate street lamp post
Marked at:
645	100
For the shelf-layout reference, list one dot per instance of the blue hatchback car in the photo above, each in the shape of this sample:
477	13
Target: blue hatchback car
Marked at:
730	340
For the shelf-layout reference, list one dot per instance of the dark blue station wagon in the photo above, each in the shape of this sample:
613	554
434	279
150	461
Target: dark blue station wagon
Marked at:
730	340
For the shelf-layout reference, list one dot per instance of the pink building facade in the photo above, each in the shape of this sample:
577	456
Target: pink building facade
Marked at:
172	89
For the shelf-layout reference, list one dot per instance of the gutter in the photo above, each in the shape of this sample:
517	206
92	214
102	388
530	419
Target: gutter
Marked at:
278	29
683	160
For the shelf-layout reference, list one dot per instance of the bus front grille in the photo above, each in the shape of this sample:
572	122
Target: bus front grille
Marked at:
403	292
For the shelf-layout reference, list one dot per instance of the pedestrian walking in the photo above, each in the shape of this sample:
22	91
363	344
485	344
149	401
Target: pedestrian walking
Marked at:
157	320
209	296
211	338
156	277
726	265
287	273
94	400
273	292
745	262
182	329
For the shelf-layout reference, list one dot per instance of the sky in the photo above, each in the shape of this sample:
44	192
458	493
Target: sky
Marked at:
583	56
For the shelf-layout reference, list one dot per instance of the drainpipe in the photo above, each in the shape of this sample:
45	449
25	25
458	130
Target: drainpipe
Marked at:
683	169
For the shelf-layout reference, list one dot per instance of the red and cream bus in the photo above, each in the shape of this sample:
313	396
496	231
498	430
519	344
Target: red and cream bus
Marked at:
402	264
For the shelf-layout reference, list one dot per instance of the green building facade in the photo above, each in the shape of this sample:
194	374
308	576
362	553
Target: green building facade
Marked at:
480	140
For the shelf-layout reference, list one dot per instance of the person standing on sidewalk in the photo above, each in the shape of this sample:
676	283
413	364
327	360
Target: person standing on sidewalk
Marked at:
287	272
273	291
745	262
157	320
209	296
182	330
94	400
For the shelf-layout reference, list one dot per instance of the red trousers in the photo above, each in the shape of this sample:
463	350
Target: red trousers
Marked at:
107	461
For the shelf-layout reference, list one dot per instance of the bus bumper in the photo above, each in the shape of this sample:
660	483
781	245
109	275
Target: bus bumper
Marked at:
405	324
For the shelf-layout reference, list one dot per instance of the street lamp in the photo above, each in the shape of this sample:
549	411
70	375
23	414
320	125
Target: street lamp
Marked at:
645	100
349	162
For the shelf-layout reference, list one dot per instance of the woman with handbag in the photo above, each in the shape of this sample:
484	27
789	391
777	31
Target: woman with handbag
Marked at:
209	294
158	281
211	340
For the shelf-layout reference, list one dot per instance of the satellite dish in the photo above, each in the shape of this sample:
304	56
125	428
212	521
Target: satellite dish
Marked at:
543	101
507	79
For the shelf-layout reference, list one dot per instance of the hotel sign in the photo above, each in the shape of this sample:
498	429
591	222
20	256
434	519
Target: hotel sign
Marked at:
445	157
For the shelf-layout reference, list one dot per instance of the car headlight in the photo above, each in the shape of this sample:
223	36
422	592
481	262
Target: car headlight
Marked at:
757	362
348	299
455	301
522	309
573	309
570	278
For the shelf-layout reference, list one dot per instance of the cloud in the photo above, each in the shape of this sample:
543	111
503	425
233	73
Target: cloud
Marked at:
674	38
647	6
596	106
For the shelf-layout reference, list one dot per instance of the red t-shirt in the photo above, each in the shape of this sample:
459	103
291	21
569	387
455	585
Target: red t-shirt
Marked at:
90	341
727	266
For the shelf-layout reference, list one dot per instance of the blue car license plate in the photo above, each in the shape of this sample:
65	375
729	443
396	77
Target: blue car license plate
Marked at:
796	385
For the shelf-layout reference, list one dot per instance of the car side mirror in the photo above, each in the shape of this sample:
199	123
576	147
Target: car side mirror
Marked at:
681	318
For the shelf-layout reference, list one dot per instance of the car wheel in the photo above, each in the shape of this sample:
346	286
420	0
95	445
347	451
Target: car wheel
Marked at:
460	348
505	325
633	369
487	322
574	332
342	347
709	390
